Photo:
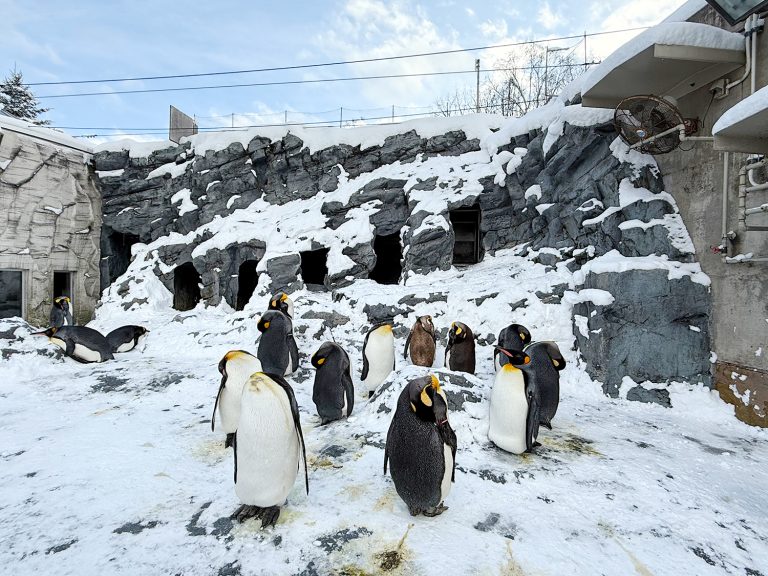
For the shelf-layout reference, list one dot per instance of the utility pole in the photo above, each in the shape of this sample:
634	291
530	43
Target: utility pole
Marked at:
233	120
341	116
393	113
286	117
546	70
477	92
585	50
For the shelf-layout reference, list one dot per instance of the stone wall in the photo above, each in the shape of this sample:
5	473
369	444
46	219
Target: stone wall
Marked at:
50	220
566	200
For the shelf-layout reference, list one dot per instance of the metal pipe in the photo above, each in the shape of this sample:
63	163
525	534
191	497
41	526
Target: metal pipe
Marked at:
745	260
752	32
742	200
726	243
747	64
679	128
757	188
757	209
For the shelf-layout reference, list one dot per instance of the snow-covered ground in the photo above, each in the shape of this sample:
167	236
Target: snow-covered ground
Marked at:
113	469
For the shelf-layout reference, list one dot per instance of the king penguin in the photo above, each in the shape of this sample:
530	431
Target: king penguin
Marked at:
235	368
378	357
125	338
332	393
514	416
544	373
277	348
513	337
422	341
60	314
80	343
421	447
460	352
281	301
268	444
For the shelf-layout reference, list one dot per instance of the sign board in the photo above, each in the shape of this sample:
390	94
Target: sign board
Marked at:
180	125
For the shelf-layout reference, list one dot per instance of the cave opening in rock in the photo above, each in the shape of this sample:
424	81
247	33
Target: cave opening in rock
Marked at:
62	284
186	287
314	267
389	254
247	279
118	253
468	246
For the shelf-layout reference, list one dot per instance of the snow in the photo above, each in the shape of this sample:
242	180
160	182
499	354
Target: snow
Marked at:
4	164
750	106
50	136
186	205
614	261
53	209
676	231
113	466
231	200
533	191
135	148
175	170
629	194
541	208
110	173
671	33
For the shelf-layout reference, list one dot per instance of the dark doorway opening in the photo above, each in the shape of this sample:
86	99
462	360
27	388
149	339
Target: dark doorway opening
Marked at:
468	246
186	287
62	284
247	278
11	295
389	253
314	266
120	253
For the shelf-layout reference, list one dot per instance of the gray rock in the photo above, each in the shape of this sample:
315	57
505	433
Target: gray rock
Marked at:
649	396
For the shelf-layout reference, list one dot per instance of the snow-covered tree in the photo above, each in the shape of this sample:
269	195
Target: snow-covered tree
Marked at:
17	99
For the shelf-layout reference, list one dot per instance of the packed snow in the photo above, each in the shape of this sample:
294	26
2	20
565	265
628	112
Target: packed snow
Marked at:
744	110
112	468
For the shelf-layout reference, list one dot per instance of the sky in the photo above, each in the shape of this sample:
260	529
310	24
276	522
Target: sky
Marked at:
54	41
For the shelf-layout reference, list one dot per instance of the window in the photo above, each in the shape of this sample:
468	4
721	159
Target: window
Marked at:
62	284
467	247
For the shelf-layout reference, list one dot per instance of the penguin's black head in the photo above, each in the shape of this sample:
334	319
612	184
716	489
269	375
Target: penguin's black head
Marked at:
62	302
523	332
516	357
326	350
555	355
428	399
458	332
47	332
269	319
142	330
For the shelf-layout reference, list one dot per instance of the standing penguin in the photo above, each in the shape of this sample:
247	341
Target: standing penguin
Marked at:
544	373
421	447
514	417
460	352
80	343
60	314
277	348
235	368
378	356
268	444
125	338
513	337
333	393
281	301
422	342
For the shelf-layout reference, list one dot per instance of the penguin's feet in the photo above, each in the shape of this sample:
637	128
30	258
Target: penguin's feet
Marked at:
245	511
436	511
269	516
229	442
414	511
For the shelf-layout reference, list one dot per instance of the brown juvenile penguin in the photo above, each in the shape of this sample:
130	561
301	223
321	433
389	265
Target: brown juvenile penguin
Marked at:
460	352
422	342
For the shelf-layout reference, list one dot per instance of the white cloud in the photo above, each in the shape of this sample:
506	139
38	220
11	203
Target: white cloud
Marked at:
548	18
470	12
494	29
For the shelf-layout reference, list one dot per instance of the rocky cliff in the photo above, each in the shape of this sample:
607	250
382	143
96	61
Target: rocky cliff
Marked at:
557	185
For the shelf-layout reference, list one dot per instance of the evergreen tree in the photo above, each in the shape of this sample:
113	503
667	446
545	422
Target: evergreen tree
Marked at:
18	100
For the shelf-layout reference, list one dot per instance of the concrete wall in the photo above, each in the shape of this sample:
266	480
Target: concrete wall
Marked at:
739	317
50	220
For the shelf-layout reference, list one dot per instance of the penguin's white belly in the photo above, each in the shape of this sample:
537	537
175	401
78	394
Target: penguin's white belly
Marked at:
509	410
86	354
229	407
448	359
125	347
267	446
497	361
380	353
445	485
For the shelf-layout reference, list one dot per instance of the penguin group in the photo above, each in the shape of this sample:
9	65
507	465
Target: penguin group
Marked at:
85	344
259	414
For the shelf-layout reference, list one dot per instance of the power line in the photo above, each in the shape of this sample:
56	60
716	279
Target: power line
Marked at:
293	82
337	63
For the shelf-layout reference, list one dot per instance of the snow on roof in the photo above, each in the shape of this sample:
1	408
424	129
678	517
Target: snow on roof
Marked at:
41	133
750	106
670	33
474	126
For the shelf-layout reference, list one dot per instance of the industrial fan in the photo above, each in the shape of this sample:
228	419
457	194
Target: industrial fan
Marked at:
651	124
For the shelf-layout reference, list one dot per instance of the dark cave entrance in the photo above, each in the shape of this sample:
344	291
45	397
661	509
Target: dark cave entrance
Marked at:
116	249
468	246
247	279
389	254
186	287
62	284
314	267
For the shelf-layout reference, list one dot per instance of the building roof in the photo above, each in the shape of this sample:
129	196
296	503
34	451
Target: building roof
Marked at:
744	127
11	124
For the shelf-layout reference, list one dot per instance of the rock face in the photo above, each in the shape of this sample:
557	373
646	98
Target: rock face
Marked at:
50	222
569	199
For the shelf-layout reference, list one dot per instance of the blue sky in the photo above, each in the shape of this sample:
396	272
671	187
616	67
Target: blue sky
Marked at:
51	40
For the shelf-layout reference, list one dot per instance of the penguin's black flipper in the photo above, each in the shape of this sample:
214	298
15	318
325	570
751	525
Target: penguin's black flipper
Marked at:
448	436
70	348
532	419
234	449
407	342
296	420
386	457
216	403
364	374
349	387
293	350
